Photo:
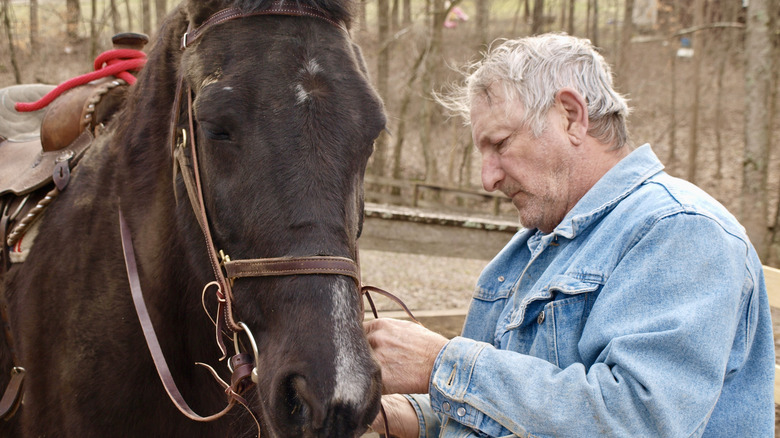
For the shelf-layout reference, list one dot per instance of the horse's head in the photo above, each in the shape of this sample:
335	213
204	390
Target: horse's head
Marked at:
284	120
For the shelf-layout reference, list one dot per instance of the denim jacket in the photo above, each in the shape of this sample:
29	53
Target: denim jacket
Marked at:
643	314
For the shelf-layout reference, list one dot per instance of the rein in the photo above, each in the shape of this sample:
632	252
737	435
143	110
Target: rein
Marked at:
243	365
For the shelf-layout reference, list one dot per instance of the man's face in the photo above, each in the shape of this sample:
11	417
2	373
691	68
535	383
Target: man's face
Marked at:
532	171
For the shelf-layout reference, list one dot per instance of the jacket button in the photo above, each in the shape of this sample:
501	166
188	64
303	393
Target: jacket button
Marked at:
446	406
461	411
540	318
501	279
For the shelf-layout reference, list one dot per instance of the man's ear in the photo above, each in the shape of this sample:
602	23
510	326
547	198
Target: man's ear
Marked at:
575	110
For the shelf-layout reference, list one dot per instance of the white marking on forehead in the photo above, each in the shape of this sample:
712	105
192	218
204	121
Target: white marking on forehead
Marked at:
301	94
312	67
351	384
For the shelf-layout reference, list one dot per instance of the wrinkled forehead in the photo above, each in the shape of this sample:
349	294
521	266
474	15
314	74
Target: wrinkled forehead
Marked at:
496	98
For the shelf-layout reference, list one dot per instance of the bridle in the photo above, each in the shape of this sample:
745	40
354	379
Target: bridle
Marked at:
243	365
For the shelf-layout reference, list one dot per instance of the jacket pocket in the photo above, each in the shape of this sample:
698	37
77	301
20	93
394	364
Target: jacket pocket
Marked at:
566	316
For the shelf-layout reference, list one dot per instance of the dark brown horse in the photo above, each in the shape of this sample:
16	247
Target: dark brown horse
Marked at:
283	119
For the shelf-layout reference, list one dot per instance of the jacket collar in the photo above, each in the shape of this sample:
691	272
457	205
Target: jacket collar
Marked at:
620	181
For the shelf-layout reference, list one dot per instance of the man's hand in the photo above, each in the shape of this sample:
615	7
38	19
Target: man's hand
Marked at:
406	352
400	417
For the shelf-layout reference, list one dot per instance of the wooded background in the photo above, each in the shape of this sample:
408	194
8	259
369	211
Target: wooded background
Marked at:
701	76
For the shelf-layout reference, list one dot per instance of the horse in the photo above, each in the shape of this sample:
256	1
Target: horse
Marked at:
247	135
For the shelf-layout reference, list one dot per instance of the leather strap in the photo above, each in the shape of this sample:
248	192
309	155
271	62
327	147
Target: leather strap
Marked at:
151	337
277	8
292	266
12	397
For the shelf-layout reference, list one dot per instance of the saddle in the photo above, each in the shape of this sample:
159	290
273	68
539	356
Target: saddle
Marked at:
39	149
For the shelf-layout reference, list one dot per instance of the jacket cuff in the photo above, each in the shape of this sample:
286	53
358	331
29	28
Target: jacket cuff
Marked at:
450	381
429	423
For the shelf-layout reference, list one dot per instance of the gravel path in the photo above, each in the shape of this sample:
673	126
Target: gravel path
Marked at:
421	282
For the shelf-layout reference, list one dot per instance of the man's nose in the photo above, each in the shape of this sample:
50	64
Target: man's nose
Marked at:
492	174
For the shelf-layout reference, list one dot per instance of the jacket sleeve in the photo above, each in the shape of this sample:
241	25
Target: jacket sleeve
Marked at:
672	320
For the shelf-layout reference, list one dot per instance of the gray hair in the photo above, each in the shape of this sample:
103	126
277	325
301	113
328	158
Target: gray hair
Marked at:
532	70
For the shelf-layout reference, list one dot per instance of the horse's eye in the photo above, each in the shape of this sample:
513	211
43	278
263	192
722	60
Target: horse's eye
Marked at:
215	132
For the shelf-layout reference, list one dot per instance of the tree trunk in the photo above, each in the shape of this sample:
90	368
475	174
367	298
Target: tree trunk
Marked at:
160	11
587	18
698	55
526	11
34	25
395	13
129	16
93	32
517	16
537	25
11	49
72	16
383	72
758	76
562	24
595	24
483	21
115	24
728	14
429	74
407	20
625	40
361	17
672	158
146	17
405	101
570	28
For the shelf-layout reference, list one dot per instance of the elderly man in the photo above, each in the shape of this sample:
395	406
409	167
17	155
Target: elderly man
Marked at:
632	304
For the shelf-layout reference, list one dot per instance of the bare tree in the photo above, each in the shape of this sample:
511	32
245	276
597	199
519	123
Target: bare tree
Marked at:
594	28
395	15
758	78
432	62
407	20
383	73
129	16
570	27
72	17
9	34
537	23
146	17
93	31
517	15
115	24
728	11
34	25
361	17
160	10
403	111
671	160
483	21
698	55
625	39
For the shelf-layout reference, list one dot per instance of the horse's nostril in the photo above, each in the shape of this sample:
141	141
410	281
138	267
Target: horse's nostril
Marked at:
303	407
